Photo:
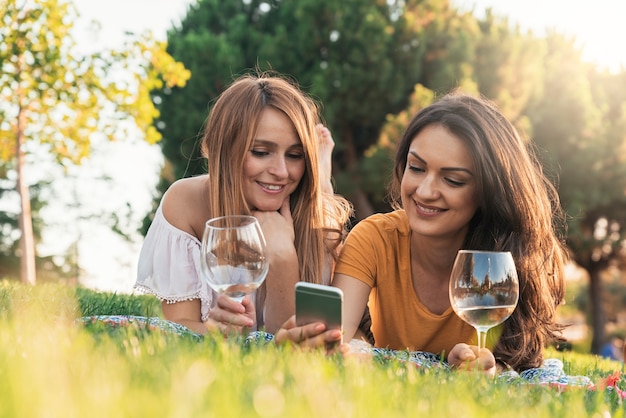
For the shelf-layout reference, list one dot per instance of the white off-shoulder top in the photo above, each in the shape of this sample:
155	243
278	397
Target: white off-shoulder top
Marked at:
169	266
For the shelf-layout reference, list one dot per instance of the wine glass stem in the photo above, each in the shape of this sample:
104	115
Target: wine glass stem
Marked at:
482	339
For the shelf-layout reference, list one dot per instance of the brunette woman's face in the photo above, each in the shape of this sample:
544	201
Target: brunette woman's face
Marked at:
438	187
275	164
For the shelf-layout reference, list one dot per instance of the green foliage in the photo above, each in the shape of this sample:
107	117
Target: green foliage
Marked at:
92	303
18	300
451	45
583	132
360	58
53	99
508	67
52	366
76	301
380	157
58	98
579	124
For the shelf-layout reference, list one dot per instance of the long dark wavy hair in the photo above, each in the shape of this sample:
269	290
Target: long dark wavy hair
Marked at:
519	211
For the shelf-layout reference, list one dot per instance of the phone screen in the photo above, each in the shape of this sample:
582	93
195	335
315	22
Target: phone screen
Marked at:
315	302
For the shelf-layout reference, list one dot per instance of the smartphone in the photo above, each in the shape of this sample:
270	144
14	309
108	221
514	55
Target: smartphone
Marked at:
316	302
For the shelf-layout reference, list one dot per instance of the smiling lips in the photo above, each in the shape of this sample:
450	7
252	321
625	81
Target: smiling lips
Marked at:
272	187
428	210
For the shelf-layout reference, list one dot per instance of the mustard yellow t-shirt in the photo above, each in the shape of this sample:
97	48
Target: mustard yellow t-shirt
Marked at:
377	252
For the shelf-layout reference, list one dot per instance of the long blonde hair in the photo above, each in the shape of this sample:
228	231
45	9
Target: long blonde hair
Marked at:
319	218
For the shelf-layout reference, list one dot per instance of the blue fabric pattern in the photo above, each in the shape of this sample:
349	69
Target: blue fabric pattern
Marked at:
551	373
140	322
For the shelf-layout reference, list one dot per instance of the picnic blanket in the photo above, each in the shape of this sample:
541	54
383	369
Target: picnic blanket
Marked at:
551	373
139	322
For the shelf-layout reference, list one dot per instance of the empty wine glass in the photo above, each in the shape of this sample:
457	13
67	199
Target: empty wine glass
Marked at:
484	289
233	258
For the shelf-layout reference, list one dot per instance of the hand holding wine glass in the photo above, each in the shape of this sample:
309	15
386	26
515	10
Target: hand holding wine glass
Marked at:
233	257
484	289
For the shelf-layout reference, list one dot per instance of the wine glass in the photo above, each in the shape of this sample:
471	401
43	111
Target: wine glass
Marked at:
233	258
484	289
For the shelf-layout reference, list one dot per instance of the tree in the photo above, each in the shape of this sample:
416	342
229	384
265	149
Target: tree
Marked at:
508	67
360	58
9	240
55	99
380	157
451	42
580	126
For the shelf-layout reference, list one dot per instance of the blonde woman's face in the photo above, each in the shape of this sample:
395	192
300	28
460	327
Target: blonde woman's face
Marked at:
438	187
275	164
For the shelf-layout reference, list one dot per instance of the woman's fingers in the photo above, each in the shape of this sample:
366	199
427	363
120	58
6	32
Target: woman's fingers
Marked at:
285	211
311	337
211	325
228	304
467	357
232	315
225	329
487	361
328	339
298	335
327	143
289	323
230	318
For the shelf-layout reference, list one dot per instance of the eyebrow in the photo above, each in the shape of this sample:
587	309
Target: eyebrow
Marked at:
274	146
264	143
462	169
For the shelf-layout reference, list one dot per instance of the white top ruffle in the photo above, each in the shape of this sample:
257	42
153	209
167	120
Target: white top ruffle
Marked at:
169	266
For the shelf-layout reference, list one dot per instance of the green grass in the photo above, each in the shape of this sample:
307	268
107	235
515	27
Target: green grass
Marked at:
52	367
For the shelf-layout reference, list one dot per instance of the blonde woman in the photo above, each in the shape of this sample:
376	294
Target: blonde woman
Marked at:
268	156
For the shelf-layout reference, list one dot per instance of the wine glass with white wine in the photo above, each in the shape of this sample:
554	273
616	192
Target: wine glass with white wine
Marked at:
484	289
233	258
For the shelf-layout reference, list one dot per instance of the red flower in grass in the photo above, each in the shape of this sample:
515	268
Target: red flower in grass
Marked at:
613	379
611	382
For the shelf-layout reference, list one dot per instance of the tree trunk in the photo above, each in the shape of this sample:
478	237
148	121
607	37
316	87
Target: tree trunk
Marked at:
25	220
597	309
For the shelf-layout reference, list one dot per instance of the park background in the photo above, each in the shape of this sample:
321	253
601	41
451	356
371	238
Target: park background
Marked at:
372	64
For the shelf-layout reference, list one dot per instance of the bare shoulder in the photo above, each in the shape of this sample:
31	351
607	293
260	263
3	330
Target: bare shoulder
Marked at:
185	205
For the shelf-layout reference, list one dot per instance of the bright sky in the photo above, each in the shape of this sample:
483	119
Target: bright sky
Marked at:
111	262
598	26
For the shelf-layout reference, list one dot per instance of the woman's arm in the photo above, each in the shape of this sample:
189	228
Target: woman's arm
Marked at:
186	313
284	271
280	284
355	296
326	145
